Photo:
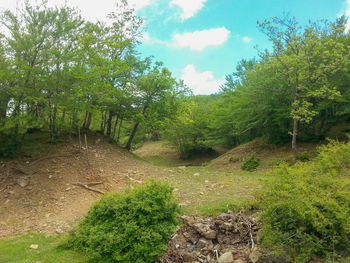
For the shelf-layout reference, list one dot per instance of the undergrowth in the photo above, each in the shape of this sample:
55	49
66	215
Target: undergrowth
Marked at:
129	227
306	209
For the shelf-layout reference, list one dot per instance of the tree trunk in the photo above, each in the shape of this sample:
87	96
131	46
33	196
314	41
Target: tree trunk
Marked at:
53	122
115	126
89	119
134	130
85	118
63	116
294	139
109	123
120	126
132	135
3	106
103	123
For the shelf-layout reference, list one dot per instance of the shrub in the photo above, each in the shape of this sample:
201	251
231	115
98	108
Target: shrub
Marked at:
306	210
251	163
129	227
304	156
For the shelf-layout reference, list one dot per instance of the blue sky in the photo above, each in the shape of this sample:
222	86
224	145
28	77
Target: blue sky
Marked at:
201	41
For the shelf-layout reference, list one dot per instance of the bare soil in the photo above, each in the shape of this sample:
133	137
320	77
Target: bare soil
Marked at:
37	194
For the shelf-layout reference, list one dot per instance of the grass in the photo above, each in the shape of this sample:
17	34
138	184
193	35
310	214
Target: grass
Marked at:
209	193
16	250
215	191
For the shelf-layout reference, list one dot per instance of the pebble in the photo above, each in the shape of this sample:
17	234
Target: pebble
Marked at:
34	246
226	258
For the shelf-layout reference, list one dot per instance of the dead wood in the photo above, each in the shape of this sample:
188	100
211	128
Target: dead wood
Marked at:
86	186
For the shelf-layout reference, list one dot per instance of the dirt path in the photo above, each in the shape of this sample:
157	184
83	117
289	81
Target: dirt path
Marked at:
37	194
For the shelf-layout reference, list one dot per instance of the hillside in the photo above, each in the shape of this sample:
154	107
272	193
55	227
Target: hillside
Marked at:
37	193
269	155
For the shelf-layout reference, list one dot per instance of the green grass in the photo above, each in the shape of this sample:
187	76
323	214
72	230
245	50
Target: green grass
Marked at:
16	250
215	191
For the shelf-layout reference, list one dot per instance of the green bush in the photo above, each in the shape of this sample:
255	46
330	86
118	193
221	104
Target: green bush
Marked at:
129	227
306	210
304	156
251	163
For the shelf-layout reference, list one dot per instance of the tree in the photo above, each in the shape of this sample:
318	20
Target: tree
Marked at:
154	92
306	59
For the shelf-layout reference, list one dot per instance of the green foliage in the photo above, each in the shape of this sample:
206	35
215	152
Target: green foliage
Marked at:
251	163
129	227
306	209
304	156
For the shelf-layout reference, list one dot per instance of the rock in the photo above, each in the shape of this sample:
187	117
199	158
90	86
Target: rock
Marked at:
22	182
238	261
226	258
255	255
205	231
59	231
196	174
189	257
34	246
182	167
204	243
206	181
11	192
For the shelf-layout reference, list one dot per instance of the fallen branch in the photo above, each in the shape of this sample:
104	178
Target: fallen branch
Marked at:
86	186
251	235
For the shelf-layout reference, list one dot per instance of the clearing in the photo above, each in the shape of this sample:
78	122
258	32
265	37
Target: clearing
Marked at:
38	194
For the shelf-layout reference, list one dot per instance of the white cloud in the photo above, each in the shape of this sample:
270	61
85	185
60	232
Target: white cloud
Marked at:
92	10
347	13
199	40
246	39
189	7
200	82
139	4
148	40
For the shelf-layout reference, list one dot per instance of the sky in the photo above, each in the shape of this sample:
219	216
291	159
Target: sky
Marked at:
201	41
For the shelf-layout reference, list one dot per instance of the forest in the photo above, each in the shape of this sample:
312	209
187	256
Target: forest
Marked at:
66	76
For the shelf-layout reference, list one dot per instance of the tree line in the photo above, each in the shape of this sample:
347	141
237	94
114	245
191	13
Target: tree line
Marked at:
61	73
297	91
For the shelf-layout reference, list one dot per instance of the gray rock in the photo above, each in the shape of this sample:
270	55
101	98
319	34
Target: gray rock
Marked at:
204	243
59	231
205	231
22	182
189	257
34	246
226	258
255	255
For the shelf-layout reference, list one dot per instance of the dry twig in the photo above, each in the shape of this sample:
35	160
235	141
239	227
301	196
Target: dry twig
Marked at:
86	186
